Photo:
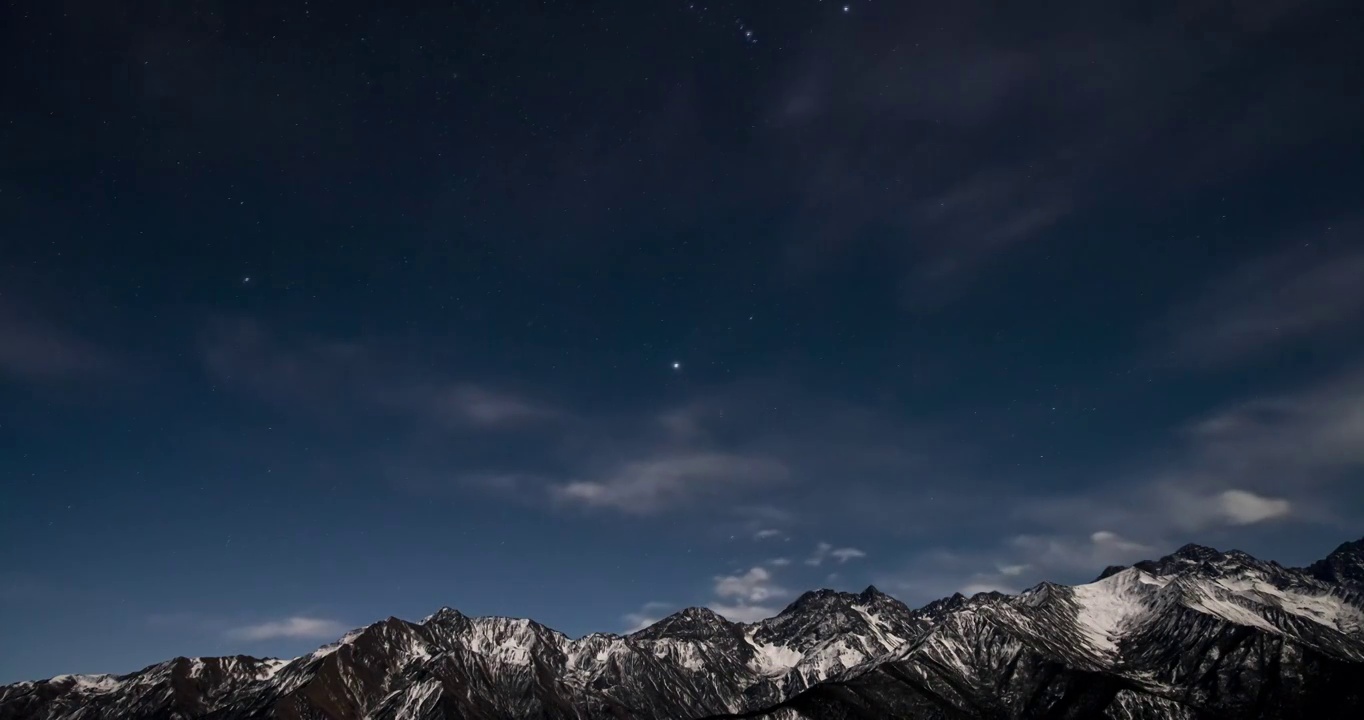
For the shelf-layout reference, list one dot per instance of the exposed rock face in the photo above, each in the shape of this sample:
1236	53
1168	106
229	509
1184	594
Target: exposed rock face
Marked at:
1196	634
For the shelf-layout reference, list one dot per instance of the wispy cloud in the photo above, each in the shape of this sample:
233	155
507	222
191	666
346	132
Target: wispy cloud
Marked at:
1282	300
843	555
825	551
298	627
1240	507
34	349
964	90
461	404
648	614
1266	460
1016	562
762	522
1260	460
655	484
332	377
1281	441
742	613
1077	554
986	214
1286	457
939	572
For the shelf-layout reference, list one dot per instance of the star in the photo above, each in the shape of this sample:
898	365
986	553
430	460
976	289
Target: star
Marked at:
246	279
677	365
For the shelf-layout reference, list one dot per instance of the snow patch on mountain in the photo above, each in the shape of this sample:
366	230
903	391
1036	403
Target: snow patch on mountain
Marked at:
89	683
271	667
1107	607
1324	608
330	648
888	639
772	660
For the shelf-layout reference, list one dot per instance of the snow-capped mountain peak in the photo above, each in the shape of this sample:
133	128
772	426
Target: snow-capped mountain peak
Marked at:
1197	632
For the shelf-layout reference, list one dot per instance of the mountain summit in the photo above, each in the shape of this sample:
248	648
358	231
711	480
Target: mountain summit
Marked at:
1199	633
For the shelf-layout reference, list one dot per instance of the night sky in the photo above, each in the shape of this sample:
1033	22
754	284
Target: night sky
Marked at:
312	314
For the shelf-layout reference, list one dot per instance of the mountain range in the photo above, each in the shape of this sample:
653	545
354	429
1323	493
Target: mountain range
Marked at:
1199	633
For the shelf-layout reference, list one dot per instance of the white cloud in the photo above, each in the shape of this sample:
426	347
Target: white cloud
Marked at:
1286	456
970	589
742	613
658	484
1066	553
779	562
824	551
1106	541
648	614
1246	508
843	555
1311	434
294	627
937	573
754	586
821	552
1019	562
766	533
747	597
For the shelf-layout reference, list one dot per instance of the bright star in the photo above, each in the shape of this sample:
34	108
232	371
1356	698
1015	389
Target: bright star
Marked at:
677	366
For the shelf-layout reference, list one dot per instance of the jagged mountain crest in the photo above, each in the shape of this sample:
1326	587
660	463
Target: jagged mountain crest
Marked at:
1196	633
691	623
1345	565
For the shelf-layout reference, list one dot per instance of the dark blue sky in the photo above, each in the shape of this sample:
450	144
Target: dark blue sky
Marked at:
312	314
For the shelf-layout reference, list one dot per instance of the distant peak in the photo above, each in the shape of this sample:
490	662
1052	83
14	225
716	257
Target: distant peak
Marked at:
699	613
1110	571
688	622
1349	549
943	604
1345	565
819	599
1198	553
870	594
1039	593
1179	560
443	615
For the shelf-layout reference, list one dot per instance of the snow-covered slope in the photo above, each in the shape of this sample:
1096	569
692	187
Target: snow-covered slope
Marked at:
1198	633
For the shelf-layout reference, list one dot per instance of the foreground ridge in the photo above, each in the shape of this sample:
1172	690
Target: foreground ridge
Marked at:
1199	633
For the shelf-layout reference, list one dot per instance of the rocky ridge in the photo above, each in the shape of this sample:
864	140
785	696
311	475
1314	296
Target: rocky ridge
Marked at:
1198	633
